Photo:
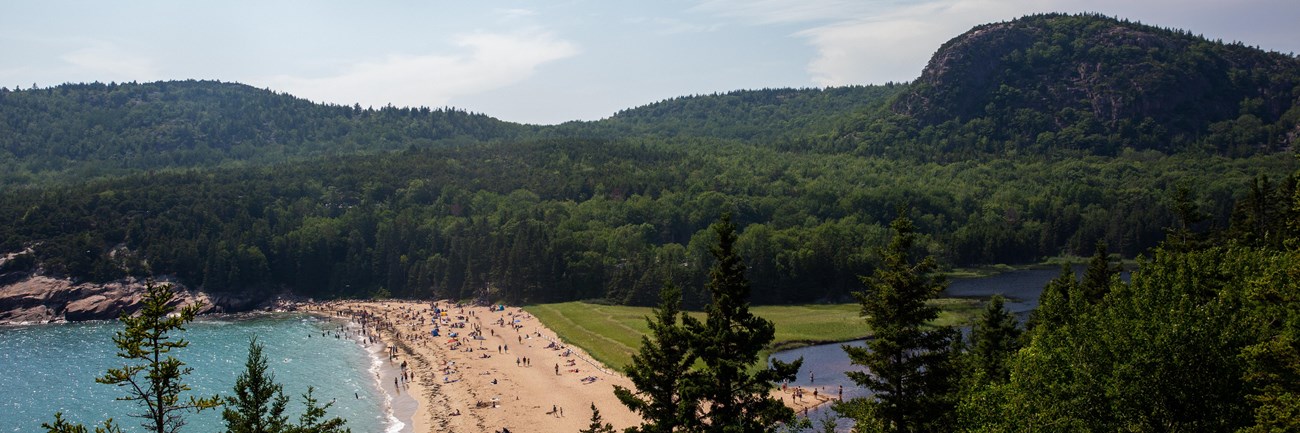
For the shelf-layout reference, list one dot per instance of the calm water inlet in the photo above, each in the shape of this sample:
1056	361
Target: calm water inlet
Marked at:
824	365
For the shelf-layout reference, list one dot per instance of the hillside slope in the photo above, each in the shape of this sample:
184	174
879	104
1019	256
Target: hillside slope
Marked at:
1092	84
474	207
93	129
1046	85
765	115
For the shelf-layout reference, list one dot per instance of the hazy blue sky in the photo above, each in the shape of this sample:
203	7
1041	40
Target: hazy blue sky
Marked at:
542	61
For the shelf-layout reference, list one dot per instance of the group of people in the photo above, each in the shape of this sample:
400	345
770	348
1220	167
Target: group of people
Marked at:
407	329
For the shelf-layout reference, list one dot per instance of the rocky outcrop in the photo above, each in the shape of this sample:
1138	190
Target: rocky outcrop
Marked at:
1089	74
26	298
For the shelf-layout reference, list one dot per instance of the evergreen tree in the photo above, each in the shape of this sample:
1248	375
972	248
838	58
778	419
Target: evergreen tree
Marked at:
313	418
1273	368
658	368
731	397
1055	302
911	368
64	426
258	404
1255	218
1163	353
597	424
1187	215
156	383
1096	279
995	337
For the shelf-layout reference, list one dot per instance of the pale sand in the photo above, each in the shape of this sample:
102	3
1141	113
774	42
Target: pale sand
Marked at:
450	377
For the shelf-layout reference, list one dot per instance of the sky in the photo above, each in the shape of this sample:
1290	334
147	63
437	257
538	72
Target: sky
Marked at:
543	62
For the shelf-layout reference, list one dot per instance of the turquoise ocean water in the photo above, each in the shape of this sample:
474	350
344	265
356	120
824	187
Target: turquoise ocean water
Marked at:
49	368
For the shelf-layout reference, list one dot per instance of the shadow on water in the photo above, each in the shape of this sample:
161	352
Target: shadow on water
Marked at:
824	366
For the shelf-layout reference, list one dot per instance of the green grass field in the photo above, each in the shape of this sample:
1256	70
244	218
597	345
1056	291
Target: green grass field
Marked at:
611	333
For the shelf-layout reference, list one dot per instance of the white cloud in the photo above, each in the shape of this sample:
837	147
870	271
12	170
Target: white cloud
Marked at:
874	41
487	61
869	41
515	12
895	44
107	61
785	11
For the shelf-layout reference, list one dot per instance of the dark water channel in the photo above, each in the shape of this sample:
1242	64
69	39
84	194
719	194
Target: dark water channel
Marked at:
824	365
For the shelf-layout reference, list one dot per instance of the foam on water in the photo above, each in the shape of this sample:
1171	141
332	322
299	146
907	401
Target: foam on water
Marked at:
394	425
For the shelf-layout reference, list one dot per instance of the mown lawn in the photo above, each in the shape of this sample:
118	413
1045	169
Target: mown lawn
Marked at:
611	333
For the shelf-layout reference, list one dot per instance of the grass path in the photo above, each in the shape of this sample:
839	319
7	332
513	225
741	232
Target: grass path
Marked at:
611	333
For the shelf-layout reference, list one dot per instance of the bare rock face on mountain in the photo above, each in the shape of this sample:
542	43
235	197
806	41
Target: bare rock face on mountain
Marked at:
1046	79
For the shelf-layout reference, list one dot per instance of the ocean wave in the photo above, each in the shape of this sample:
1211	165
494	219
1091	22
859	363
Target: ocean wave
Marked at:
392	423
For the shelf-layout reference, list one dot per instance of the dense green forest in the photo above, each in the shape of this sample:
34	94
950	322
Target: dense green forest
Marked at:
568	219
87	130
1086	84
784	118
1202	337
231	188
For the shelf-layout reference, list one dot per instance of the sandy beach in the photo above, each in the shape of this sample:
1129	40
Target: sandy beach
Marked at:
490	369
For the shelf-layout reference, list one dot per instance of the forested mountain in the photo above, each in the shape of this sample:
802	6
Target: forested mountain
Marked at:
996	149
94	129
1074	84
772	116
575	219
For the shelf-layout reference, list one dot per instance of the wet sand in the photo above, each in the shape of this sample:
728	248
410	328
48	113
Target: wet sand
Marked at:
501	369
403	402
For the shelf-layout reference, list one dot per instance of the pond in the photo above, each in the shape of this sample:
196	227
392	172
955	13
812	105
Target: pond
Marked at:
824	366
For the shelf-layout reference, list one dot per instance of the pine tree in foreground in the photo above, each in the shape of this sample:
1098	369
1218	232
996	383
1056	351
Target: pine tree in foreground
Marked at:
657	370
995	337
259	403
732	396
156	382
313	418
911	368
597	423
1097	277
64	426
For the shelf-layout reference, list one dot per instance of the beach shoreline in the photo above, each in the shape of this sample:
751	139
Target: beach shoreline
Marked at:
490	368
498	372
400	398
400	401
